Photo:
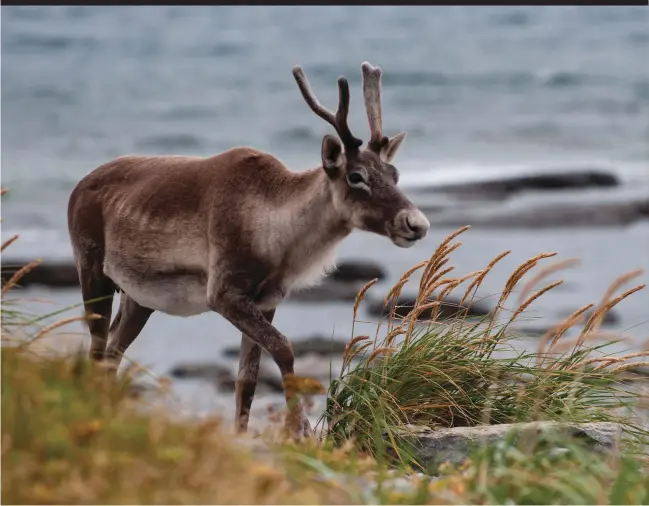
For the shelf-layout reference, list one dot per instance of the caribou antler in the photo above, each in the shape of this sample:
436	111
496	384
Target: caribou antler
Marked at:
372	96
339	120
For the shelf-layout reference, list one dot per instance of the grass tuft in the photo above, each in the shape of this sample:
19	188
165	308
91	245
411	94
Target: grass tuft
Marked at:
461	373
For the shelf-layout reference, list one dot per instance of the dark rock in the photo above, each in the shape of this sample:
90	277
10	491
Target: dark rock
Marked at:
209	371
233	352
611	318
221	376
642	208
328	291
56	274
139	390
226	383
549	215
269	376
357	270
447	309
432	447
529	331
559	180
321	368
317	345
640	370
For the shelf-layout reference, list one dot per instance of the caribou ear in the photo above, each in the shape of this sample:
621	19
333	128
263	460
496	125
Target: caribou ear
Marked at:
389	151
332	155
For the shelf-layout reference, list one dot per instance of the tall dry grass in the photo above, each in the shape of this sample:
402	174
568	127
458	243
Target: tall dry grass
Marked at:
463	373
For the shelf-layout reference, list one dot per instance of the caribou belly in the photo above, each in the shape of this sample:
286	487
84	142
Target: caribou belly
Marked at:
173	294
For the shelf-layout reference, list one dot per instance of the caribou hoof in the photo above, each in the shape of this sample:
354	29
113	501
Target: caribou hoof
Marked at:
305	430
299	429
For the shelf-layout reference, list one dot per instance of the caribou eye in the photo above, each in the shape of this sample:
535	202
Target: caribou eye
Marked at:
355	178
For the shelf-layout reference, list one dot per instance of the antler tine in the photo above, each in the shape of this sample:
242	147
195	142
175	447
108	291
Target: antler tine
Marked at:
310	98
372	96
339	121
342	113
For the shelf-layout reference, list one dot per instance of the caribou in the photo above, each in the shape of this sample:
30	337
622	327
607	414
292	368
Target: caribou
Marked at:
233	233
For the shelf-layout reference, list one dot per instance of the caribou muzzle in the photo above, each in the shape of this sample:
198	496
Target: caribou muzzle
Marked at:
409	226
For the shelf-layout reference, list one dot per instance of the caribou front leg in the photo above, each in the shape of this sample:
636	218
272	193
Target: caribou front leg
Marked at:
239	309
249	358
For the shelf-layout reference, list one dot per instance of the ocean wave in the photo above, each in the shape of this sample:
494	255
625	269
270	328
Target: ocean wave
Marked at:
418	174
30	42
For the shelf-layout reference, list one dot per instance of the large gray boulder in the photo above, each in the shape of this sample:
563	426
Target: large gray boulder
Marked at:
433	447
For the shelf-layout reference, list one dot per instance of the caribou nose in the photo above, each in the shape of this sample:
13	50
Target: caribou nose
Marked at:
417	223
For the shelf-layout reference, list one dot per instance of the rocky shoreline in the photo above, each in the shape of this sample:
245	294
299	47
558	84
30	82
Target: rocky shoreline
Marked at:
575	197
588	197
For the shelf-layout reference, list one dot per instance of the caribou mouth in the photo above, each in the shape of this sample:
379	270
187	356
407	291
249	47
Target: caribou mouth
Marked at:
404	241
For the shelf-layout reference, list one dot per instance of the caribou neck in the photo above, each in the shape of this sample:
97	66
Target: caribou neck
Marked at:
316	208
302	229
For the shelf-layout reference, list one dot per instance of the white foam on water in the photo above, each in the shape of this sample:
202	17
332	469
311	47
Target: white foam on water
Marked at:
415	174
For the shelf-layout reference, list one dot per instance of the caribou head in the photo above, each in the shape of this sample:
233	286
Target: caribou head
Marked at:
364	181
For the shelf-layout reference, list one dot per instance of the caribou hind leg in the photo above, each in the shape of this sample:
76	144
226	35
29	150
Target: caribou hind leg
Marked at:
86	227
97	291
246	383
128	323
